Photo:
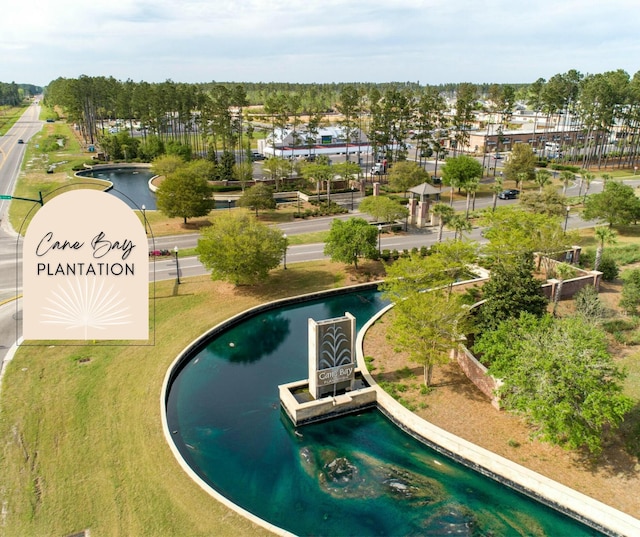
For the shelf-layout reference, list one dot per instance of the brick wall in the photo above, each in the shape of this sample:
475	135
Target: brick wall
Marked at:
477	373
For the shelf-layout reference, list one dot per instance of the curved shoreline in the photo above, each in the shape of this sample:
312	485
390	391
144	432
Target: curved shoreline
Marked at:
574	504
153	188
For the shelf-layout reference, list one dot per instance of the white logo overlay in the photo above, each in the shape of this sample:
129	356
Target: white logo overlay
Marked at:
85	270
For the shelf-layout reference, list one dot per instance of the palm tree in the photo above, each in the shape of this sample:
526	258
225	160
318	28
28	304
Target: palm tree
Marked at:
588	177
445	213
521	178
605	235
496	188
563	271
566	176
543	178
471	186
459	223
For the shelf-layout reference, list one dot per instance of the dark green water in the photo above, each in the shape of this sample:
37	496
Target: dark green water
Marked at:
225	409
131	185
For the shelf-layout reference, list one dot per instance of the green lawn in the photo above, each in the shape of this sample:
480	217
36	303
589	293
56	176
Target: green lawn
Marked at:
82	443
9	115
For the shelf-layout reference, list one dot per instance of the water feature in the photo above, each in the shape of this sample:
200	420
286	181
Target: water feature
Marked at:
130	184
356	475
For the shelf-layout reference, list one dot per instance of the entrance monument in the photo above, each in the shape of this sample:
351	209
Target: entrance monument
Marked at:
335	385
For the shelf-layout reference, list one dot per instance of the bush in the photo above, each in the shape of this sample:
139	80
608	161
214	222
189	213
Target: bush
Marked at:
587	258
588	303
609	268
562	167
630	299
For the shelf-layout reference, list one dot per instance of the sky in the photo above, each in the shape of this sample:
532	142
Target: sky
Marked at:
322	41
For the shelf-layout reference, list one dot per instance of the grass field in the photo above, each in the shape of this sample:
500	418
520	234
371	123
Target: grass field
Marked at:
9	115
82	445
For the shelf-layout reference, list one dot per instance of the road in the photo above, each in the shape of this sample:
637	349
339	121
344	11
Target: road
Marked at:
11	157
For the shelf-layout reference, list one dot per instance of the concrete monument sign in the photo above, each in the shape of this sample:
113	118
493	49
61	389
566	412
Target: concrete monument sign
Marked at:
331	355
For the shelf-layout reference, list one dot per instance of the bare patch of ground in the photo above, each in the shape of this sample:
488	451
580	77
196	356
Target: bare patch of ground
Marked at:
456	405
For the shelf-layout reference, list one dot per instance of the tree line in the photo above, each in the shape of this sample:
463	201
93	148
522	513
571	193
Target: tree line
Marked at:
603	107
12	94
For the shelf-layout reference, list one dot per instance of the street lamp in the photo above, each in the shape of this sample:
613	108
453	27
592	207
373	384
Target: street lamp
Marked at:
175	249
566	219
379	233
144	218
286	245
229	204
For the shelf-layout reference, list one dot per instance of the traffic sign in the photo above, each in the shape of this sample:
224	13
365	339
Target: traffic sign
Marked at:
4	197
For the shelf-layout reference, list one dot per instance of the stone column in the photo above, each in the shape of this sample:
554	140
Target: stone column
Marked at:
412	206
423	211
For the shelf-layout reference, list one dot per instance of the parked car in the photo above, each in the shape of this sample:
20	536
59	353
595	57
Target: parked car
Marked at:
257	156
509	194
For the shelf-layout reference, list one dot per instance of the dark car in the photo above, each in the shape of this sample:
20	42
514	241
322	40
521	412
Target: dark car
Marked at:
20	141
256	156
509	194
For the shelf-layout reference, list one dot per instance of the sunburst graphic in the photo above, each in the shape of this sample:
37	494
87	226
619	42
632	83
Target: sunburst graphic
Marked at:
88	305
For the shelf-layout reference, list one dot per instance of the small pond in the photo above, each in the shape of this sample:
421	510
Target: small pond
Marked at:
130	184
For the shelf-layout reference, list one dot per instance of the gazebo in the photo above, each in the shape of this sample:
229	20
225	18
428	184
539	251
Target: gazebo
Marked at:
421	198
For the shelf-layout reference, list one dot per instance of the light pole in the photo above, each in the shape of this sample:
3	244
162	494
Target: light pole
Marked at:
352	191
286	245
144	218
566	219
229	204
379	233
175	249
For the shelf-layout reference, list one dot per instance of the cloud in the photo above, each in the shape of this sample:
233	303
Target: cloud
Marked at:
432	41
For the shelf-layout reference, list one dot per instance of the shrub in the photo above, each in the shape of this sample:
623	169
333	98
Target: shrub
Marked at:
609	268
587	258
588	303
630	299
